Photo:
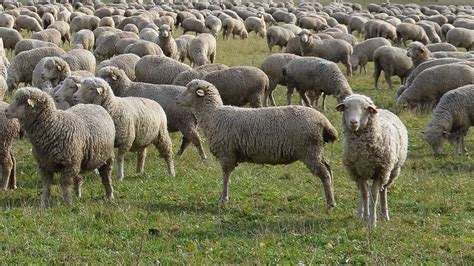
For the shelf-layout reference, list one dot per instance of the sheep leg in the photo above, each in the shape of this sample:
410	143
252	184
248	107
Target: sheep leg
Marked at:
374	197
323	104
348	65
269	94
196	140
141	156
384	204
363	211
184	144
320	168
120	163
12	182
212	57
227	167
377	71
305	98
66	181
164	146
7	166
105	172
47	179
77	185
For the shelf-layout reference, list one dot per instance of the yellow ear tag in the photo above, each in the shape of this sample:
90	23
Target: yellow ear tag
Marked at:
59	67
114	77
100	90
200	92
31	103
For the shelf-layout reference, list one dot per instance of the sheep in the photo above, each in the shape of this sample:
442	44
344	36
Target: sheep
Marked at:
313	23
63	28
213	24
451	120
441	47
430	31
461	37
375	147
7	21
84	22
143	48
138	122
380	28
293	46
9	131
64	92
149	34
182	43
413	32
158	69
428	87
83	39
279	36
131	28
393	61
105	45
48	35
234	27
106	22
332	50
316	75
292	27
185	77
444	30
418	53
201	48
364	52
167	42
343	36
195	25
22	65
356	23
179	119
80	59
126	62
240	85
273	65
277	135
56	69
256	24
28	23
37	80
123	43
458	55
30	44
10	37
4	59
47	19
69	142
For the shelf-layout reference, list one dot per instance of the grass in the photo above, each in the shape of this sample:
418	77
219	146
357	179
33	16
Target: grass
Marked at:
276	214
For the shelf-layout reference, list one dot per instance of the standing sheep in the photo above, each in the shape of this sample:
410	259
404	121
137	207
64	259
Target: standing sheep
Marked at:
197	73
48	35
461	37
30	44
80	59
9	131
193	24
451	119
375	147
138	122
69	142
408	31
278	135
256	24
235	27
182	43
84	39
279	36
167	42
201	48
10	37
393	61
158	69
364	52
213	24
126	62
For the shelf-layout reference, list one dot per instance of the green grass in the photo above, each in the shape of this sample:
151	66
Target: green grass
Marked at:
276	214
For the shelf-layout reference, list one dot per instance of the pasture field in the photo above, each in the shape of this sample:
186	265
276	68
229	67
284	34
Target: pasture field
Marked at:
276	214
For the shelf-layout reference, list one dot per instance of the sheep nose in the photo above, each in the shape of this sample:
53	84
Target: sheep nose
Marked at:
353	122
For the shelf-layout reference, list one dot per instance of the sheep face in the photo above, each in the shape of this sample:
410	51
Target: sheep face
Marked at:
65	93
198	93
357	110
165	31
92	90
26	105
305	36
52	69
435	139
112	75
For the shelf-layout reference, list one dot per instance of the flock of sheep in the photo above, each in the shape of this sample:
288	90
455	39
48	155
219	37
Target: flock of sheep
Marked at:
124	85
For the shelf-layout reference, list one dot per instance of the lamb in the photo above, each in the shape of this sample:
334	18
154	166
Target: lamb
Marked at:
256	24
10	37
193	24
126	62
441	47
48	35
143	48
451	120
69	142
213	24
84	39
235	27
22	65
413	32
138	122
182	43
273	65
197	73
364	52
277	135
375	147
461	37
179	119
279	36
158	69
312	74
167	42
9	131
428	87
201	48
393	61
80	59
332	50
27	23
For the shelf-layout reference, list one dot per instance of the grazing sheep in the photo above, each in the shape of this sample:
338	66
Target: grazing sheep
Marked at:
131	28
273	65
84	39
84	22
441	47
256	24
380	28
461	37
9	131
167	42
451	120
364	52
458	55
143	48
80	59
428	87
38	81
444	30
106	22
10	37
393	61
63	28
138	122
126	62
7	21
182	43
313	23
30	44
375	147
356	23
122	44
430	31
22	65
47	19
105	45
195	25
332	50
56	69
279	36
213	24
69	142
277	135
234	27
149	34
179	119
197	73
316	75
201	48
293	46
413	32
48	35
158	69
27	23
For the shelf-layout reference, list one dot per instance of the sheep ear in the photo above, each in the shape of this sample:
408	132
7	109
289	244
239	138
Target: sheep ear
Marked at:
340	107
200	92
78	85
59	67
372	109
100	90
31	103
114	77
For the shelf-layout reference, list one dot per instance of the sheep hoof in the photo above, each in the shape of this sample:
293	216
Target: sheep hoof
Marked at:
223	201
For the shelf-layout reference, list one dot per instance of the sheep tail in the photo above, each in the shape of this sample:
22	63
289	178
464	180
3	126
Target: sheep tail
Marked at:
329	133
